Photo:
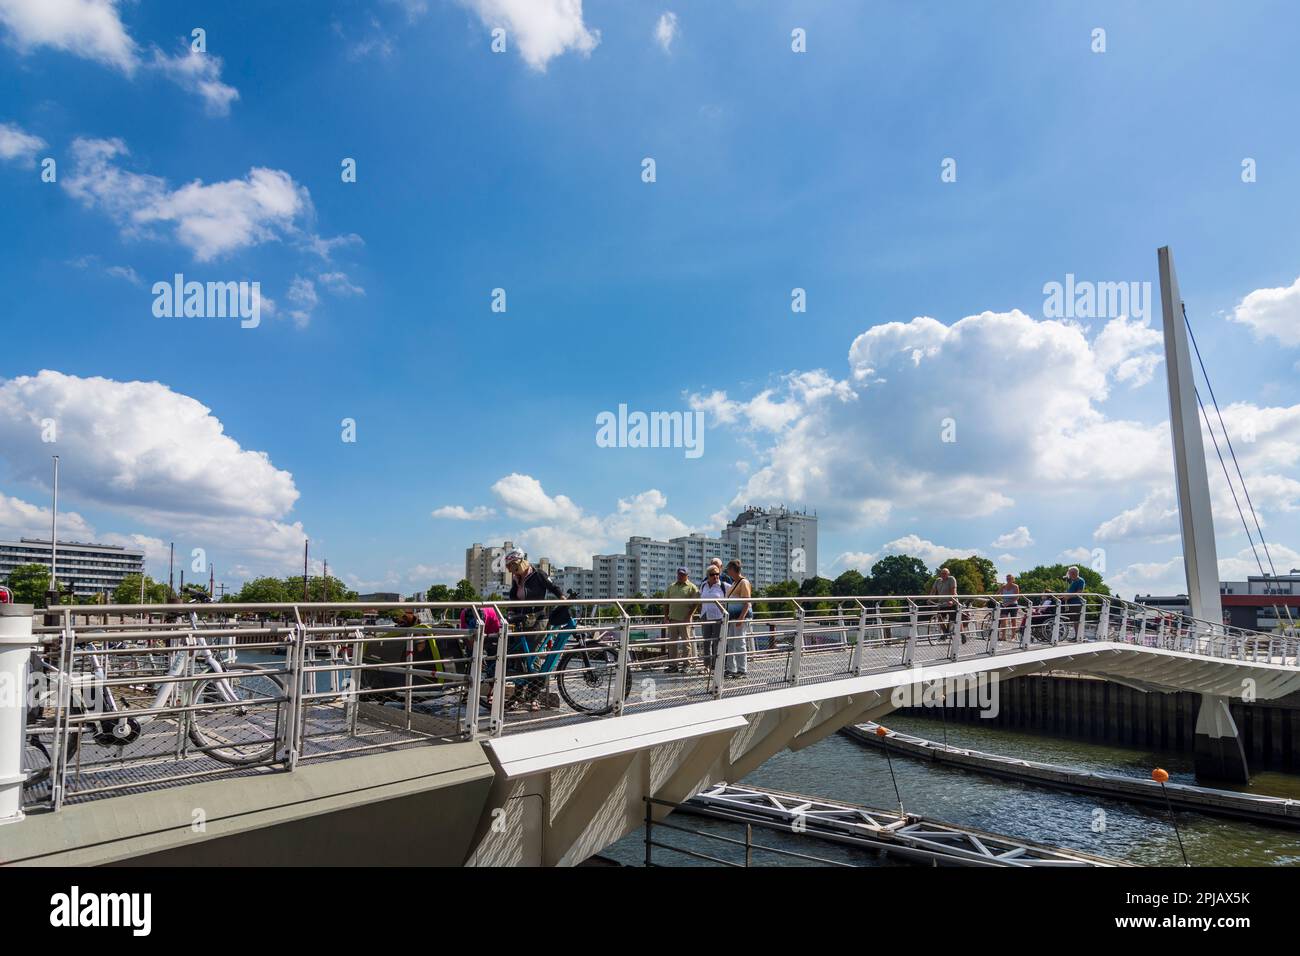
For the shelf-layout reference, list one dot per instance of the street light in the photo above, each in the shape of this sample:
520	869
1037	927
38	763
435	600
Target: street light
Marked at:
52	594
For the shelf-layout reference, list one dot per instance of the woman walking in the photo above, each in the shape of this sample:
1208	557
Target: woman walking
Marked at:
738	610
1010	599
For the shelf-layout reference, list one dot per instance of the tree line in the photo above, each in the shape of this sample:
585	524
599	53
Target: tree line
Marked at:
894	574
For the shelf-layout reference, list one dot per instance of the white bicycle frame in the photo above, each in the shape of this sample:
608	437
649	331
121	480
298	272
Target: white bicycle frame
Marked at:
106	703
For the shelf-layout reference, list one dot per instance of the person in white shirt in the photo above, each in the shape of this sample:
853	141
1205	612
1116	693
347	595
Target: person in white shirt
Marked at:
712	614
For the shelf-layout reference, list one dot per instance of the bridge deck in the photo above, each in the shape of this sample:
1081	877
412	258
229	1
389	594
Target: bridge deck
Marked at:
163	756
156	760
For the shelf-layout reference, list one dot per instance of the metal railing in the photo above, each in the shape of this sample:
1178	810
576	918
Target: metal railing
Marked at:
171	693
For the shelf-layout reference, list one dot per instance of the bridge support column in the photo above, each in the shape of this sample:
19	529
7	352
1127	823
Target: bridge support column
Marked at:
1218	751
16	645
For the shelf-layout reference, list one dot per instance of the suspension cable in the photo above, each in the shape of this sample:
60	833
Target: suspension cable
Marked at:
1228	479
1235	463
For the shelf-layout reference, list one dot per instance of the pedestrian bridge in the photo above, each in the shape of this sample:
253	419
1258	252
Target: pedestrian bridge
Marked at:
310	734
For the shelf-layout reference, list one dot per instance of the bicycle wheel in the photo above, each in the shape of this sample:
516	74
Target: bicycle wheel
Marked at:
934	632
586	679
245	731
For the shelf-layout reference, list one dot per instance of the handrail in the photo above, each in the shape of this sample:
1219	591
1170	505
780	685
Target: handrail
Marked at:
445	681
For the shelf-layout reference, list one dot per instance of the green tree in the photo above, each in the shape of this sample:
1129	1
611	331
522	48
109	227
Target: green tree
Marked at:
778	589
266	591
439	592
816	587
464	591
1051	577
319	589
128	590
975	575
899	574
849	584
29	582
636	608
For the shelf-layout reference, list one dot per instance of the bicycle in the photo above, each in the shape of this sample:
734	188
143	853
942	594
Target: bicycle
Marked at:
586	674
585	669
226	684
936	628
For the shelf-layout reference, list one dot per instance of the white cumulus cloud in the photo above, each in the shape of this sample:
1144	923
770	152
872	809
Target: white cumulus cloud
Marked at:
161	458
1272	313
211	220
1016	538
18	145
539	29
93	30
556	527
460	513
198	73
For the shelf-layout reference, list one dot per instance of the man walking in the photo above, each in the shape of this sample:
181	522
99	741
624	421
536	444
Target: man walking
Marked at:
679	618
944	590
1073	610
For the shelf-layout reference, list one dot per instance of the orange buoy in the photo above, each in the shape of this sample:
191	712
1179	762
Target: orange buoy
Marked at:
880	731
1160	776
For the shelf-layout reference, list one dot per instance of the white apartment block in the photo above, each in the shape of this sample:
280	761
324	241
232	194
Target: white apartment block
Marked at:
89	569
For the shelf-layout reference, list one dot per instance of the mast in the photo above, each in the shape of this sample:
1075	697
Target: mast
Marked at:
1200	559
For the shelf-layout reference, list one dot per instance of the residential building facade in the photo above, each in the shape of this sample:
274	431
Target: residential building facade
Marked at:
88	569
772	544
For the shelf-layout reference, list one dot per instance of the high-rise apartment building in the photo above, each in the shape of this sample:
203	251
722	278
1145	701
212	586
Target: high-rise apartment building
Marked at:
773	545
484	568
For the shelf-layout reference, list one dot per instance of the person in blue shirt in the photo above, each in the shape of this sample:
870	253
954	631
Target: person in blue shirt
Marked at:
1073	609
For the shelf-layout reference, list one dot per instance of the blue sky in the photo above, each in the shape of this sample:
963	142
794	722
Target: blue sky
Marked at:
522	170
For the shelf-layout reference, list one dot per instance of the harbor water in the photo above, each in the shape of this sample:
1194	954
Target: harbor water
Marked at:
839	768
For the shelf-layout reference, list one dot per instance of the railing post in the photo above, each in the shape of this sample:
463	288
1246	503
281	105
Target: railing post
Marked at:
796	653
297	716
1123	624
62	728
1160	634
16	646
996	631
856	664
719	655
499	692
624	647
1026	636
475	676
913	629
354	680
954	649
1056	624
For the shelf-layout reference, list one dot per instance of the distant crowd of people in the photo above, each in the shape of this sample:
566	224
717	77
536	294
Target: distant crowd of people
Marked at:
720	611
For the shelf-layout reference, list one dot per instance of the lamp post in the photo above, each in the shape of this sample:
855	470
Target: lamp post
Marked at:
52	593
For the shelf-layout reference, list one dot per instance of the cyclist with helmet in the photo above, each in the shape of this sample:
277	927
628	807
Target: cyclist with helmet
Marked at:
530	584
